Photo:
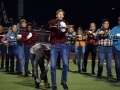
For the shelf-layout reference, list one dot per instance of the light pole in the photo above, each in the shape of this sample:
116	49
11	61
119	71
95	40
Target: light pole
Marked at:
20	9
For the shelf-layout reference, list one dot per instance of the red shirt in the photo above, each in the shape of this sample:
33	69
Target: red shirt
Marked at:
57	36
91	38
30	41
2	33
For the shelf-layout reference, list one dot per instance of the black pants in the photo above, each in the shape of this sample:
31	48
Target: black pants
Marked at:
3	51
90	48
7	62
42	68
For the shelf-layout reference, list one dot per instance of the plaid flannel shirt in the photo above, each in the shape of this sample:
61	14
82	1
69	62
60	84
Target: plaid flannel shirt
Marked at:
30	41
104	39
91	39
70	38
12	41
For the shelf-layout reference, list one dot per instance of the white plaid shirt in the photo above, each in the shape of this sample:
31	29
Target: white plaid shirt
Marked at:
105	41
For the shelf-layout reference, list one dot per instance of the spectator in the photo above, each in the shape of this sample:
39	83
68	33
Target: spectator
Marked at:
5	42
2	47
28	39
42	34
13	47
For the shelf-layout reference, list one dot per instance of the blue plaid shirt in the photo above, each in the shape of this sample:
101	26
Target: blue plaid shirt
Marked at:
116	43
11	36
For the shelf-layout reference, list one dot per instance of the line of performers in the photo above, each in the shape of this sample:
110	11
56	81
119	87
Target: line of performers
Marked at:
22	44
64	39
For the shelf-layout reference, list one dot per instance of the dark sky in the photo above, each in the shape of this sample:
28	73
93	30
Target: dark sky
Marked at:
77	12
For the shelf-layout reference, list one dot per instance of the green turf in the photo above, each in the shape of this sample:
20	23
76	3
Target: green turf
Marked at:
76	81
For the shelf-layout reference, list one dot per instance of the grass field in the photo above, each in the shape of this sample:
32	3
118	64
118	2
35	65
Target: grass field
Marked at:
76	81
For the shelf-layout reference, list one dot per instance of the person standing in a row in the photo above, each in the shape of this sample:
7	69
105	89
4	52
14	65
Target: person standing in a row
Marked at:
80	42
28	39
104	48
91	47
13	46
116	48
2	47
21	55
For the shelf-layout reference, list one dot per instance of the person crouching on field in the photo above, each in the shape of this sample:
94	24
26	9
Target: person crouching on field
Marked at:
28	39
80	42
40	52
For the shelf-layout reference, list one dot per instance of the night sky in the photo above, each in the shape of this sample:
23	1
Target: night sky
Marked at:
77	12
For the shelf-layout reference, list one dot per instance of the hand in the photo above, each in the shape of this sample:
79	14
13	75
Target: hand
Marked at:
63	29
89	31
94	34
62	24
29	36
38	80
118	34
79	35
5	42
12	37
19	35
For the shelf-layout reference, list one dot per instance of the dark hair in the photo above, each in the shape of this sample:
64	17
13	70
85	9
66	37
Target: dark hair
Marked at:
1	25
105	20
29	24
47	52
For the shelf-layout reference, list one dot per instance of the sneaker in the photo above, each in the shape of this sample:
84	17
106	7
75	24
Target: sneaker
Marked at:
19	73
37	85
26	75
84	70
118	81
93	74
110	76
74	61
54	88
64	86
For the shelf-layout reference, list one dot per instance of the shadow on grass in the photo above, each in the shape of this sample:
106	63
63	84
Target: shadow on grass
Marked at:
111	81
30	85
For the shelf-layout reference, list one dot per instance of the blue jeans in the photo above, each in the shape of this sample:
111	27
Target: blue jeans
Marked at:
20	57
104	53
70	48
80	53
55	49
27	56
13	51
117	61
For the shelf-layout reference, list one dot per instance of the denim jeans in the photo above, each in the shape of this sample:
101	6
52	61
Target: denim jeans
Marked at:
27	56
117	61
55	49
20	57
104	53
80	53
13	51
70	48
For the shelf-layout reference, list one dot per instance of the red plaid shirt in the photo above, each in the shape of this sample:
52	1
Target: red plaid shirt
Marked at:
91	38
2	33
30	41
57	36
